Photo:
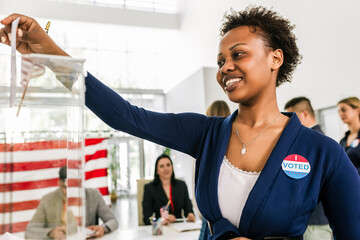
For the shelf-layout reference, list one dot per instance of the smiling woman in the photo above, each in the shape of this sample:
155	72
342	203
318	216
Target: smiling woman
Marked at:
167	191
244	194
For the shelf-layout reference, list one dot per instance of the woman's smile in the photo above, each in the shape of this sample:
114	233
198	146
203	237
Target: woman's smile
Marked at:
231	83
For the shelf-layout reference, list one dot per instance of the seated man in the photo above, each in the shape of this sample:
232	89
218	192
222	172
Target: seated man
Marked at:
51	216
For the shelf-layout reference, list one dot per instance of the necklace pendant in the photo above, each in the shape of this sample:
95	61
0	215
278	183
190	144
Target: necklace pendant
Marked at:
243	151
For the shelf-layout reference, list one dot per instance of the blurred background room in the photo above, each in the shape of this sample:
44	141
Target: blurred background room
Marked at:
153	51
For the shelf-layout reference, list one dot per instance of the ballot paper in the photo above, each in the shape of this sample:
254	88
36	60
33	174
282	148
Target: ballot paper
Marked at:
185	226
66	69
14	26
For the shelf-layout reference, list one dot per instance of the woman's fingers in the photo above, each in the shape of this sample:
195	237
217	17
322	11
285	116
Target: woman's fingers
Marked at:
23	35
8	20
24	20
5	31
4	37
4	34
25	24
171	218
191	217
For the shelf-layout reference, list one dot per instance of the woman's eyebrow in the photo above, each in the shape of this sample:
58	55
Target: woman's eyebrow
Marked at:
232	47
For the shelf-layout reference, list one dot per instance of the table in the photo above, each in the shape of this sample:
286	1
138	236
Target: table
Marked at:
136	233
144	233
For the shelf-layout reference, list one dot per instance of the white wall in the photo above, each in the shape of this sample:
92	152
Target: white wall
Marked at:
188	95
332	124
328	39
213	91
196	93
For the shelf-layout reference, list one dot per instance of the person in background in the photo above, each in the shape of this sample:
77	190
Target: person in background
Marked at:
269	196
349	111
318	228
218	108
52	219
165	188
305	112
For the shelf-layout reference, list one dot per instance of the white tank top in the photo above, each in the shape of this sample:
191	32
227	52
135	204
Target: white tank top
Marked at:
234	187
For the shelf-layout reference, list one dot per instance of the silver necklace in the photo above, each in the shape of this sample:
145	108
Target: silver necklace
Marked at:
243	150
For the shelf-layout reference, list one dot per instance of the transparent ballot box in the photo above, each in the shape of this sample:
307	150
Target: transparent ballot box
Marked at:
41	131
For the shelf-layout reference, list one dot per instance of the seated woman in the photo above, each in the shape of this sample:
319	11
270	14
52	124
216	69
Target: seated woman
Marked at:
163	188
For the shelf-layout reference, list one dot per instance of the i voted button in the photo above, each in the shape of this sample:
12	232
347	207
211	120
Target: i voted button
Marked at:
296	166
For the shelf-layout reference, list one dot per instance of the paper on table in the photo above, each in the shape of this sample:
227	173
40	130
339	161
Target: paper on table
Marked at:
14	26
179	220
185	226
9	236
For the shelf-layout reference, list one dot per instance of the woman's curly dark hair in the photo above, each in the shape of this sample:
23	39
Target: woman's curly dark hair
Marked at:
275	31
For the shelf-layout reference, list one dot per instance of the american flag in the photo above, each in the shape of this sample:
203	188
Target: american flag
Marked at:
28	171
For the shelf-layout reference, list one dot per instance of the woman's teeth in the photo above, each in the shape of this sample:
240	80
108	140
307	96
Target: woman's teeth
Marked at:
232	81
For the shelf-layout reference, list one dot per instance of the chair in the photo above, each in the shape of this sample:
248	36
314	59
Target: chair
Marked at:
139	196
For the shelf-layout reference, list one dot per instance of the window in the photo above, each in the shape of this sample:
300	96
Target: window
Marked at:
167	6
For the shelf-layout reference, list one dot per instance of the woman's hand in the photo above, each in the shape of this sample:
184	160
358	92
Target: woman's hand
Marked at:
190	217
168	218
241	238
171	218
31	37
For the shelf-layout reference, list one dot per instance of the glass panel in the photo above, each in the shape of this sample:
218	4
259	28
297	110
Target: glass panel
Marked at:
39	133
123	183
152	152
126	150
134	165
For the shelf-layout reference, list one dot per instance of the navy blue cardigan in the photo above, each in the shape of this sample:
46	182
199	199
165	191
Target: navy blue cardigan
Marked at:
318	216
277	205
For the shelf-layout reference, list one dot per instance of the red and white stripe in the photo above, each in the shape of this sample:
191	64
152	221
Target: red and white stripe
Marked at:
28	171
96	166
